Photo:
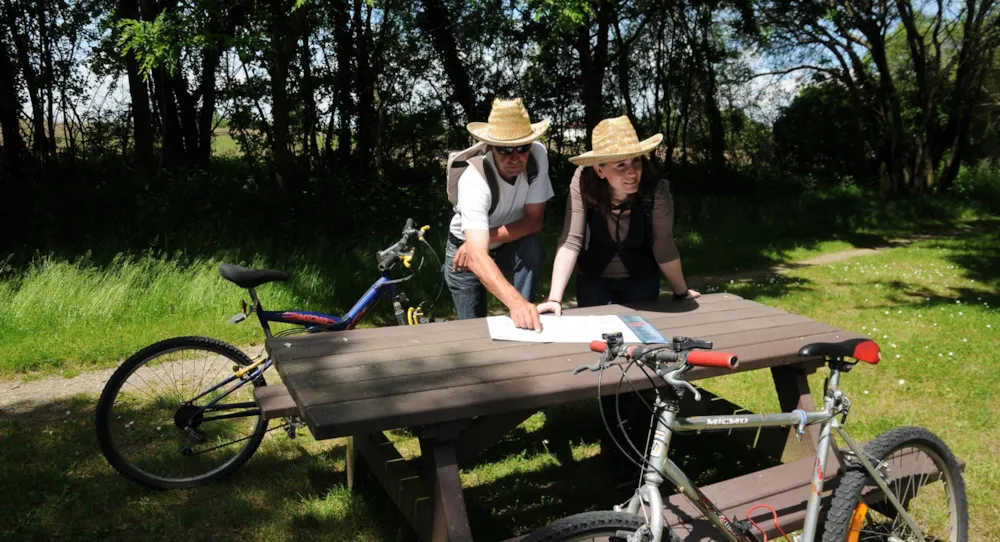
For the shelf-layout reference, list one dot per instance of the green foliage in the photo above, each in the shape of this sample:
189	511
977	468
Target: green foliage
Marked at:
820	135
155	43
980	183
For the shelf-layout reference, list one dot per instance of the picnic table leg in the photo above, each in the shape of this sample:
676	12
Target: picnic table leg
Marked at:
438	448
793	393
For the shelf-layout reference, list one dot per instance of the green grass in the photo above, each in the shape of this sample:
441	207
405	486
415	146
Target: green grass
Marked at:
932	306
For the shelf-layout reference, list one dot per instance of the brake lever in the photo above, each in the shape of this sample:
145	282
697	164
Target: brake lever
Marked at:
678	383
601	364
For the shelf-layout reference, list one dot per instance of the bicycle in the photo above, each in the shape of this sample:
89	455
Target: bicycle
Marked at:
188	398
858	510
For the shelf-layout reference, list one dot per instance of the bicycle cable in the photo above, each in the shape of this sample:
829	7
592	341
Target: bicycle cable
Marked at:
642	464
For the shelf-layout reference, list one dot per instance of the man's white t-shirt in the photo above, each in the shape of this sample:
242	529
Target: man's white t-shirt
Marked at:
472	210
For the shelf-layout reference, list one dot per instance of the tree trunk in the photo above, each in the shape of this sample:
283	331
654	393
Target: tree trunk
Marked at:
439	23
592	66
344	81
283	39
366	87
624	76
172	138
10	110
206	116
142	124
30	76
309	144
47	81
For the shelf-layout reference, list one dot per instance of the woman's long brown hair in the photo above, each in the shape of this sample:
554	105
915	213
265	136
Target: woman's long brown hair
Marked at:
596	191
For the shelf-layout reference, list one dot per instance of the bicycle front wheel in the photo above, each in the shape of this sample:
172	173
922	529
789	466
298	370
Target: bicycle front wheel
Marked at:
164	421
924	476
603	525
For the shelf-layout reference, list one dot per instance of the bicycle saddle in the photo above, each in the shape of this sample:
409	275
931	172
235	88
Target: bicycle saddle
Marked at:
860	349
245	277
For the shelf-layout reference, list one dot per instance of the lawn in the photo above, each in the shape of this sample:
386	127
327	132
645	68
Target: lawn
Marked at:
932	305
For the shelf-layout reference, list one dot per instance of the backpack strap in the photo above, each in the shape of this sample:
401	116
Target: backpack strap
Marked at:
531	170
486	170
648	202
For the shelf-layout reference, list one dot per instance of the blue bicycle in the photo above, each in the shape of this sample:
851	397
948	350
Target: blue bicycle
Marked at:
180	412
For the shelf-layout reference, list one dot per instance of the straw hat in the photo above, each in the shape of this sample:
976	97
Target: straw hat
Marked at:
509	125
615	140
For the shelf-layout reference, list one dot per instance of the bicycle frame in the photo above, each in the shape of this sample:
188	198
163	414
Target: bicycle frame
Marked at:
317	321
667	423
312	321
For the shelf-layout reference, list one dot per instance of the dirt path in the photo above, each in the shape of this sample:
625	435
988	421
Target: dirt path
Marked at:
23	396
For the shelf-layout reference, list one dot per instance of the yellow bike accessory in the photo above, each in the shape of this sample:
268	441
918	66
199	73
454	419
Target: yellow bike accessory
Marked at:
854	531
248	368
423	230
406	258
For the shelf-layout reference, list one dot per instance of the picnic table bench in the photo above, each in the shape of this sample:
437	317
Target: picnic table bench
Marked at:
459	391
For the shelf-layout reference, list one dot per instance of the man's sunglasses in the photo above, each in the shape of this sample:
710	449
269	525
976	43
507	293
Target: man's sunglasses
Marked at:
520	149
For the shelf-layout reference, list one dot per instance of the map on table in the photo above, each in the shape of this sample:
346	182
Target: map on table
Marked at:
576	329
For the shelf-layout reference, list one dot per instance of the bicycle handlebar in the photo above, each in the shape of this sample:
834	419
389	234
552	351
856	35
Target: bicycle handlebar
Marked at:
388	255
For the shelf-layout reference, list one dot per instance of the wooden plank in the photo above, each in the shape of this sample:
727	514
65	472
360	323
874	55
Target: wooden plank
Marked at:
455	371
793	393
275	401
451	521
402	338
340	419
403	484
363	361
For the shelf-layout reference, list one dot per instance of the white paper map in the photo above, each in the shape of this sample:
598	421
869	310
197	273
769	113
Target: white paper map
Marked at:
561	329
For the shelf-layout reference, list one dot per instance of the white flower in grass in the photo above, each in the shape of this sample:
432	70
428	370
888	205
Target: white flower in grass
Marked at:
893	345
960	313
866	392
901	382
965	340
885	336
887	312
897	356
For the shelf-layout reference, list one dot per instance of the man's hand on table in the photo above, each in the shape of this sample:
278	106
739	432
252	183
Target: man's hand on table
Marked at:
525	316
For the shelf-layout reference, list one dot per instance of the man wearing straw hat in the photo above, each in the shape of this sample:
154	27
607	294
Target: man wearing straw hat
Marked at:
487	237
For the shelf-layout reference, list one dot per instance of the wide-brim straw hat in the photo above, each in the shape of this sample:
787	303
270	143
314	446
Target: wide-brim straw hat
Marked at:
615	140
508	126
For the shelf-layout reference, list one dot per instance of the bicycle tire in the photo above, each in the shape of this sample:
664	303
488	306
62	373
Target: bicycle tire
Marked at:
105	410
853	482
590	525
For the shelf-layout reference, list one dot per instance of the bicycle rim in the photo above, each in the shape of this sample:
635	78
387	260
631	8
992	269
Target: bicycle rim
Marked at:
152	425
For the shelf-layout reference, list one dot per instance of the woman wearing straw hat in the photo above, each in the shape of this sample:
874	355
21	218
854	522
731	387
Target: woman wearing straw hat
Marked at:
618	226
618	232
488	238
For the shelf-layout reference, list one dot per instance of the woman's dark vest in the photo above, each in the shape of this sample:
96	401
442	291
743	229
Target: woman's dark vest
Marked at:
635	250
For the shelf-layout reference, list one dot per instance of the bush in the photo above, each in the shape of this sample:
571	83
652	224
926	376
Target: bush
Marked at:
980	184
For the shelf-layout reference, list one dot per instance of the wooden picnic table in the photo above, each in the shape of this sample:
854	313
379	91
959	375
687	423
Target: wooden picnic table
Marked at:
459	391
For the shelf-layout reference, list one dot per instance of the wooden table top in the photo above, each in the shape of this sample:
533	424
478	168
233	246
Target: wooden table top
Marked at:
366	380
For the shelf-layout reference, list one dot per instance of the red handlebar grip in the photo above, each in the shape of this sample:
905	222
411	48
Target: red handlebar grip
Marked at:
598	346
703	358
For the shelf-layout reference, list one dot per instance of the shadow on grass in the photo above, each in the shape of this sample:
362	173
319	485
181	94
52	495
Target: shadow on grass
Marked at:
55	485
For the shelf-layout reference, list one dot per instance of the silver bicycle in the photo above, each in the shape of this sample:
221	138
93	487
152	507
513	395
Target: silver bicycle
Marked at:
905	485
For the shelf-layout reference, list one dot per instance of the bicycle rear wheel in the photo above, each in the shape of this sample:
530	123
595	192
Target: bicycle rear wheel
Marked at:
601	525
151	425
936	502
